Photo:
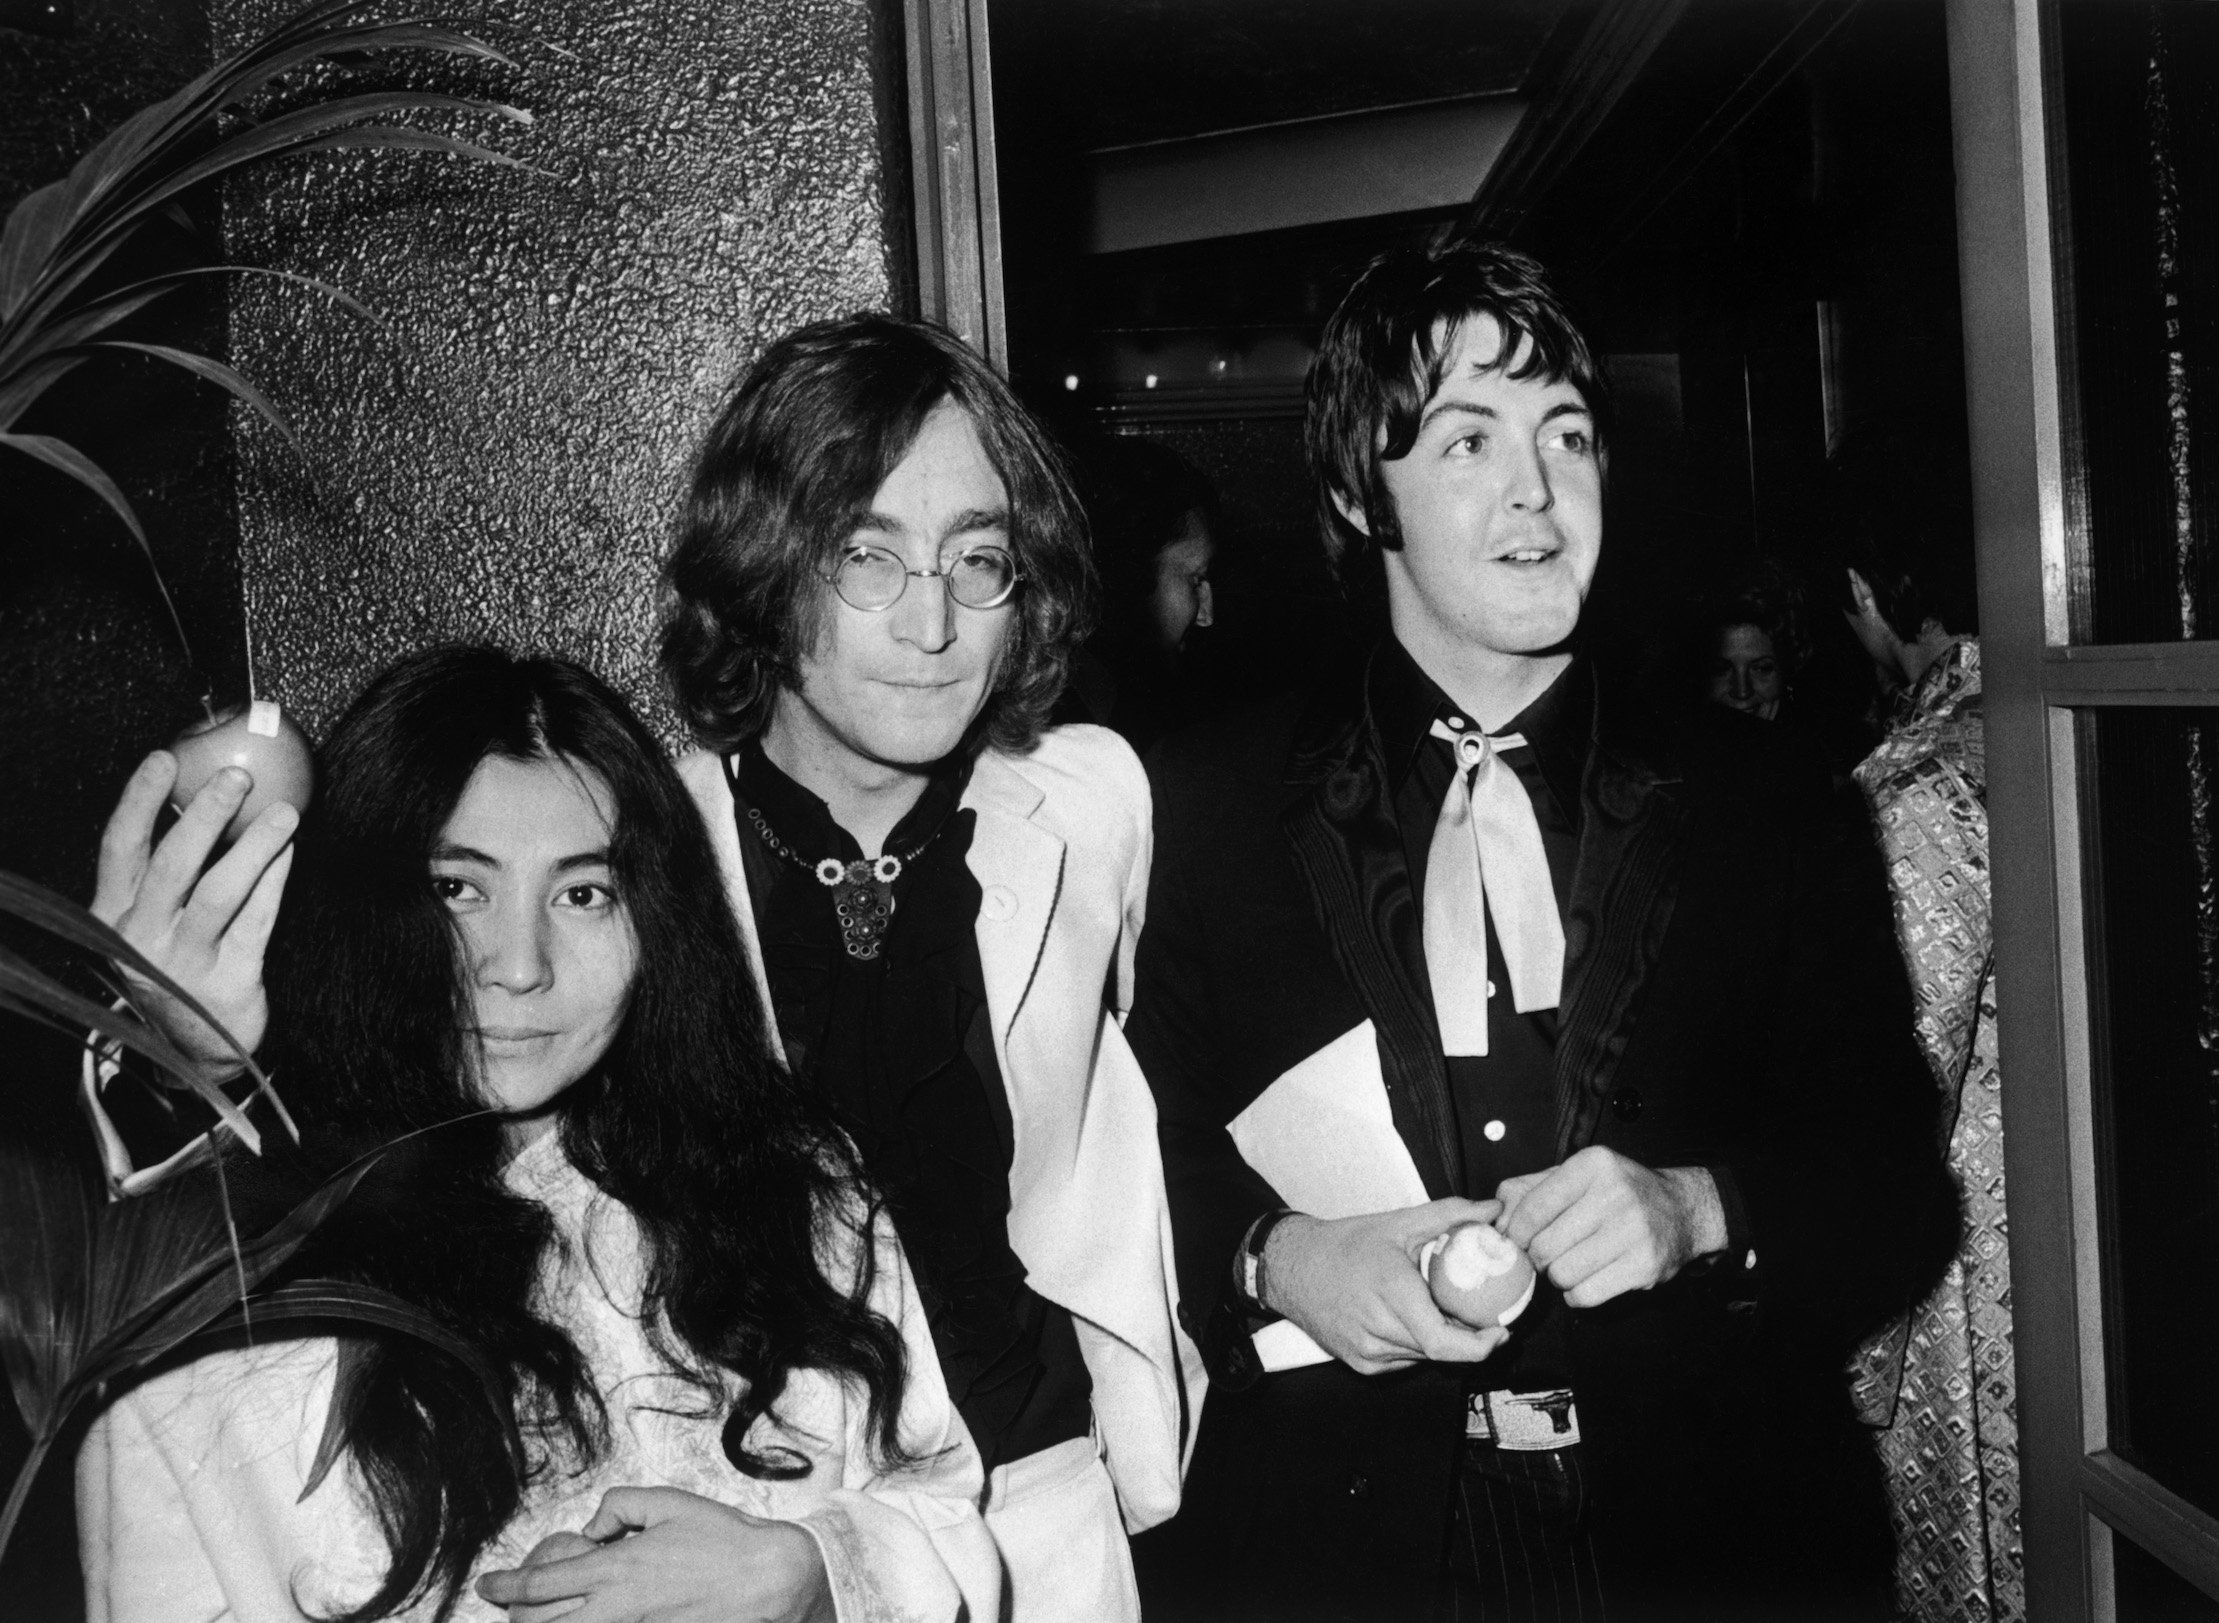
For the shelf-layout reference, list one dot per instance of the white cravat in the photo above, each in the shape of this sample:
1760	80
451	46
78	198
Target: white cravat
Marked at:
1487	857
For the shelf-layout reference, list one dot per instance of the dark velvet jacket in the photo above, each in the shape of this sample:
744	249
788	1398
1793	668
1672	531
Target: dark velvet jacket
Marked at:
1732	999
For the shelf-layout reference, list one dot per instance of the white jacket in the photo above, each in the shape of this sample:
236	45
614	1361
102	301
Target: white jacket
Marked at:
1060	852
188	1488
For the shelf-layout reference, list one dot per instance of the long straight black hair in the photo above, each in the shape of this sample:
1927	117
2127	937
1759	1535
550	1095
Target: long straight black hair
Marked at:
740	1184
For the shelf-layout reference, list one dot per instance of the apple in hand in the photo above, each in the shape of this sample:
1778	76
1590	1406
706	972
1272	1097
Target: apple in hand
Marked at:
1477	1276
261	740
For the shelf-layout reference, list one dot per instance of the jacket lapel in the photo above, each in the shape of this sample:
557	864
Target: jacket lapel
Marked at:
1349	853
1019	867
1633	826
704	777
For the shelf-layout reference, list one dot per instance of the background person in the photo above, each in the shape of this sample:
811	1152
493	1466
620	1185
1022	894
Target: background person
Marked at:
1941	1384
880	578
1154	521
1643	1044
502	927
1757	642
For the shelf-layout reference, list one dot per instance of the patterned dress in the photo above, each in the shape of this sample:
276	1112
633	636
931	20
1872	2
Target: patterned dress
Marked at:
1940	1383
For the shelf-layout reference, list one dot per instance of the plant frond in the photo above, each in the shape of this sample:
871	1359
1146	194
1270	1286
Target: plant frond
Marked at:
49	1210
57	915
197	1298
21	389
32	342
214	371
400	135
29	991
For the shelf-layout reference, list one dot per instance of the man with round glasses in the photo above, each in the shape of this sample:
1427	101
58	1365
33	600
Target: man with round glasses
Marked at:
879	581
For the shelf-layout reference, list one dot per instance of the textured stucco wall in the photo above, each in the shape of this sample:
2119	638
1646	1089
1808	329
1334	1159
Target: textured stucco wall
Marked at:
504	458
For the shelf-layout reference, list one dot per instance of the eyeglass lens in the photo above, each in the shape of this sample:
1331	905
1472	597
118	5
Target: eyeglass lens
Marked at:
870	579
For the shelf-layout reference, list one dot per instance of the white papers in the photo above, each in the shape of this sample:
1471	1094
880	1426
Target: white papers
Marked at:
1324	1136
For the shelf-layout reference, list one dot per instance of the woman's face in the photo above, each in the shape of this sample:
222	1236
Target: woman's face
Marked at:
1745	675
548	949
1181	598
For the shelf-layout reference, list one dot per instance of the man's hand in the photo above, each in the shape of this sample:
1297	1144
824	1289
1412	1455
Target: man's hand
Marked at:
1600	1225
663	1555
204	930
1353	1284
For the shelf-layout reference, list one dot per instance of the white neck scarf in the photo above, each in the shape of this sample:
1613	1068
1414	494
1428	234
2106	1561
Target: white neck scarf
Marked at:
1487	857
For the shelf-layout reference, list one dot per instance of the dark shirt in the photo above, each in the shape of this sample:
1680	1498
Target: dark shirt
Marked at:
902	1046
1513	1083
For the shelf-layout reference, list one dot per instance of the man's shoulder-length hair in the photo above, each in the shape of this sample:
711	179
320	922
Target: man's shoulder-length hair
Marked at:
1381	359
787	471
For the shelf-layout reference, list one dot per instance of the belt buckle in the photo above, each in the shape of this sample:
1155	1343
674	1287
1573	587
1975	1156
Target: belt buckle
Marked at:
1524	1422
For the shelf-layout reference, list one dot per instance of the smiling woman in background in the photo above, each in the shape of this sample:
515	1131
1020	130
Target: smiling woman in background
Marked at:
508	926
1759	642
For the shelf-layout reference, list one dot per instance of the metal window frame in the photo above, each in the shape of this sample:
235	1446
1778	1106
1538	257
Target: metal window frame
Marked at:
2039	691
951	143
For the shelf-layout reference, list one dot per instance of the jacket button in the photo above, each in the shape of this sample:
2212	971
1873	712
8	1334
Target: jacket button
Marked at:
1358	1485
1625	1104
999	904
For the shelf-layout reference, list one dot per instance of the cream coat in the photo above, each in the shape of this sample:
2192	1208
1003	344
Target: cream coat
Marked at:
1061	852
189	1488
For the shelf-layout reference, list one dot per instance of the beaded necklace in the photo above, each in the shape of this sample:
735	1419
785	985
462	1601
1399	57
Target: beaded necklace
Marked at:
862	891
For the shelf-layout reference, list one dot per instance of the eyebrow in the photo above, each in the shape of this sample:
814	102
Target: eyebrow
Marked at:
444	852
1442	408
968	522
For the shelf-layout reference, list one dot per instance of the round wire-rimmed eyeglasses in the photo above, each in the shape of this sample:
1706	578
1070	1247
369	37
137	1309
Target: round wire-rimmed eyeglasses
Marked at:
873	579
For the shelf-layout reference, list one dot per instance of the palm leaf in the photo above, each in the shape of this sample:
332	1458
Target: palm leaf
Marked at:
17	356
219	374
99	191
80	467
50	1214
27	990
24	386
108	1289
86	321
197	1293
34	904
292	133
63	235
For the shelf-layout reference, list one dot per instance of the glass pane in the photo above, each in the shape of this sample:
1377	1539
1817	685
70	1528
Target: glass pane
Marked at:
2149	1591
2140	255
2153	889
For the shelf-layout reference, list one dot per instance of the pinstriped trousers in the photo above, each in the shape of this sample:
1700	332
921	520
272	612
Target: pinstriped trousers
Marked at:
1521	1549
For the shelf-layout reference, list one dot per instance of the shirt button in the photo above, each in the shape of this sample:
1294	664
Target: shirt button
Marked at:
1494	1131
999	904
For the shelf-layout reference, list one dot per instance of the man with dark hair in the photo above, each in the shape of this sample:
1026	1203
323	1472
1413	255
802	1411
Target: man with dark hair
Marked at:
878	583
1466	935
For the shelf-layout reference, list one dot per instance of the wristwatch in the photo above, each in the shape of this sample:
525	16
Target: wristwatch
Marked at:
1248	1261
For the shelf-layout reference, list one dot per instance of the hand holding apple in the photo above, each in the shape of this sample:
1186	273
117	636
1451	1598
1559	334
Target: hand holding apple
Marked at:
204	923
1477	1276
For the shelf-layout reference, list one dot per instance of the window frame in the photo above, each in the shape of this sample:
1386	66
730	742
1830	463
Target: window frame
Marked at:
2040	693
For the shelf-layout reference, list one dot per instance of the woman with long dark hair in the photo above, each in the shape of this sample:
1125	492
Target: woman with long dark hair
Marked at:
506	936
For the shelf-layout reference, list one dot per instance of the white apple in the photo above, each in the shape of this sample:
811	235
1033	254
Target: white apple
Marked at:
1477	1275
261	740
